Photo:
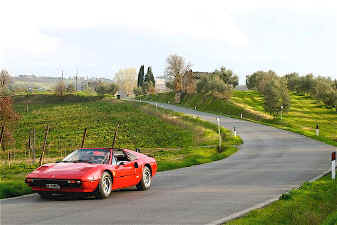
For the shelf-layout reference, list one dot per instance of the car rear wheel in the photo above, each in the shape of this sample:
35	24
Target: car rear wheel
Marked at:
145	182
105	186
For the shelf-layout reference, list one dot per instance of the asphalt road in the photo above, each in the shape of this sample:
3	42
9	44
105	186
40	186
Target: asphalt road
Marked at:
270	162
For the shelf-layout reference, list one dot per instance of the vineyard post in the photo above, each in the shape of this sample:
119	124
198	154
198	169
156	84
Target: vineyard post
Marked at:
2	135
115	136
9	159
83	138
33	147
44	145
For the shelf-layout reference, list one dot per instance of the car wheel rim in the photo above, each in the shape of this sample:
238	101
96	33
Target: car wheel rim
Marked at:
147	178
106	185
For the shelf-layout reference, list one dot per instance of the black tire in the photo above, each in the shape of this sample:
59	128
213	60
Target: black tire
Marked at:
145	182
45	195
104	186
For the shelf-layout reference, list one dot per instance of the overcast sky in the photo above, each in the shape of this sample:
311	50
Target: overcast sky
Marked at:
100	37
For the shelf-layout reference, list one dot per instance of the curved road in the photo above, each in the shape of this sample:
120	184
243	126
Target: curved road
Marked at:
269	163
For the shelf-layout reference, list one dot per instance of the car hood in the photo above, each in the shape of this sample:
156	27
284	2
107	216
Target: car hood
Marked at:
63	171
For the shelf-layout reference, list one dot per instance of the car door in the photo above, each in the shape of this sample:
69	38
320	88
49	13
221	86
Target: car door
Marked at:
125	174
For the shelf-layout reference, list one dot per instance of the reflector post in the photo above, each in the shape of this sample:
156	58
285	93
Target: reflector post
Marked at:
333	165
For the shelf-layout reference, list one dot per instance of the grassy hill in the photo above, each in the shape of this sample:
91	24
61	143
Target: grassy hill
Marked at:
313	203
173	139
302	118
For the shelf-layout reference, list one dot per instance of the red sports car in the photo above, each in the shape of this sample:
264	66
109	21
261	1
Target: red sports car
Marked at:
97	171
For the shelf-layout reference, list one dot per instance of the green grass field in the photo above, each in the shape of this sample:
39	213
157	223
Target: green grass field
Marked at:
302	118
309	205
314	203
173	139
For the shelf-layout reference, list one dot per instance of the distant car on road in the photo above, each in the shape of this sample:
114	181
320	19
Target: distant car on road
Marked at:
98	171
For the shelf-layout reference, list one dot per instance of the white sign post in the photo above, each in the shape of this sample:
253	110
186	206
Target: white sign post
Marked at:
333	165
219	130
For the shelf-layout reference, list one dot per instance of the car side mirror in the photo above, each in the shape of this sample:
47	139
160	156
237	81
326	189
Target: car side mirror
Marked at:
120	163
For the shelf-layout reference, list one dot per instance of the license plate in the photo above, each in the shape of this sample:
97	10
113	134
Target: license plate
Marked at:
53	186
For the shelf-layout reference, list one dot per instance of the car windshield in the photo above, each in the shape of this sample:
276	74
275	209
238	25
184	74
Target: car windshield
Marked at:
96	156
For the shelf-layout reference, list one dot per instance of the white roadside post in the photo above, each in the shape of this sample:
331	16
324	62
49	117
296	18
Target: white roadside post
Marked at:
317	130
156	106
281	111
234	131
333	166
241	116
219	130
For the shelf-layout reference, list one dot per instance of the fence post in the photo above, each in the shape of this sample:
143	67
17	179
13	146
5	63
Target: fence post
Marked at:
2	135
44	145
33	147
83	138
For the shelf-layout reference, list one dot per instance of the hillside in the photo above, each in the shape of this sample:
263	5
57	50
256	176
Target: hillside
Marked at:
304	114
173	139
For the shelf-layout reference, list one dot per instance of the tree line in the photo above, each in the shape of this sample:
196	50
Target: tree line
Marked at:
145	82
275	89
183	81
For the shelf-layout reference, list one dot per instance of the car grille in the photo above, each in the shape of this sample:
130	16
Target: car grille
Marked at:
62	183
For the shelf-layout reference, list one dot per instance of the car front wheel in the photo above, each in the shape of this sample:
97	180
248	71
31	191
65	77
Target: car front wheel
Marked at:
105	186
145	182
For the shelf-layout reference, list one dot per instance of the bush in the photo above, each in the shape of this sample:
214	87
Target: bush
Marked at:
103	88
138	91
214	86
70	88
60	89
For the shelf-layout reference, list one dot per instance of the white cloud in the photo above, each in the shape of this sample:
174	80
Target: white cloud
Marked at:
23	23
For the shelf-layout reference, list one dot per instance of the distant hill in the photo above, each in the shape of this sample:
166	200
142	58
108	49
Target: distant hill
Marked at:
48	83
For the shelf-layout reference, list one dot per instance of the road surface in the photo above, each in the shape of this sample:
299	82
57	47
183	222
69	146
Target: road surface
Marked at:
269	163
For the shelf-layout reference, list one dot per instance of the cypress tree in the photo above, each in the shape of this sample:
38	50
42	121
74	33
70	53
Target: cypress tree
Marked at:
149	76
140	76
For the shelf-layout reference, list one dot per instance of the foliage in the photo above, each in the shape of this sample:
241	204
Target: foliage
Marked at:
310	204
7	118
149	78
60	89
214	86
104	88
5	79
274	89
175	71
140	80
138	91
126	80
276	98
322	88
259	80
70	88
227	76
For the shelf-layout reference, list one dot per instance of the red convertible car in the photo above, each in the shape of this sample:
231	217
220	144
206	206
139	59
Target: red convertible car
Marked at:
98	171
